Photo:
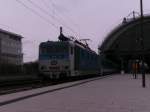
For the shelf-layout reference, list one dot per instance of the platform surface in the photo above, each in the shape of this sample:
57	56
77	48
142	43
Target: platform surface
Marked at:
117	93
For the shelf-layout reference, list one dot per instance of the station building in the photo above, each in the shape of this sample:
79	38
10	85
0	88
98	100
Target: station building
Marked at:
10	48
128	42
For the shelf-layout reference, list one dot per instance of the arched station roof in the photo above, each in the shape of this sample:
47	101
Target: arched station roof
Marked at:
124	42
125	38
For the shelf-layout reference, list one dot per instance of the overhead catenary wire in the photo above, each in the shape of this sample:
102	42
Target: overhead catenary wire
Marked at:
61	15
51	8
47	13
45	4
38	14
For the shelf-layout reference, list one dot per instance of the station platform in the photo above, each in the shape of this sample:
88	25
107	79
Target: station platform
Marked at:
116	93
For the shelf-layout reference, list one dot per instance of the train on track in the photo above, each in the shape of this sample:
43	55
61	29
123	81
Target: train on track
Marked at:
68	58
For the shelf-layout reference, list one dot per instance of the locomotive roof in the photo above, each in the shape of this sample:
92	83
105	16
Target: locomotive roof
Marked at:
76	43
53	42
86	47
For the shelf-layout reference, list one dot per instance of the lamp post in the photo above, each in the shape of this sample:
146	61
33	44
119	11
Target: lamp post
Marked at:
142	44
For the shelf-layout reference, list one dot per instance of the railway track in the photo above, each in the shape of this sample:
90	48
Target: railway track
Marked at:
23	85
7	87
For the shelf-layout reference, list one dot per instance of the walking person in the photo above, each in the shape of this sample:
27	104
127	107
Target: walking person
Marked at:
135	68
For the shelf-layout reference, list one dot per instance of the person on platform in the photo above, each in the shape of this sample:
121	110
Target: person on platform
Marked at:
135	67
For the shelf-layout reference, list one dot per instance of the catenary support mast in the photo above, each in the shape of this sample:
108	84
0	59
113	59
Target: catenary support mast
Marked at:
142	44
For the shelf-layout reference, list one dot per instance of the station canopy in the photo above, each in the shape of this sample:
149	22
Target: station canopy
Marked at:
124	42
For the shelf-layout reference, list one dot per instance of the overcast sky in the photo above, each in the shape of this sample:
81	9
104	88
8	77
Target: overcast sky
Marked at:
39	20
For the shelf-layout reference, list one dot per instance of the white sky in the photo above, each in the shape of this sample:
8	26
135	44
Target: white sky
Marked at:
92	19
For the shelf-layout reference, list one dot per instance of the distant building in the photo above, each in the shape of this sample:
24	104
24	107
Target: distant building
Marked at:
10	48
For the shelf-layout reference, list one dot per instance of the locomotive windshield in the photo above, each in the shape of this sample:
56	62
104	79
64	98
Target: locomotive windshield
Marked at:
54	50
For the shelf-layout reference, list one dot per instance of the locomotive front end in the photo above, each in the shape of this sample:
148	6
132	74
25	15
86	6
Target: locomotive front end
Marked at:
54	60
